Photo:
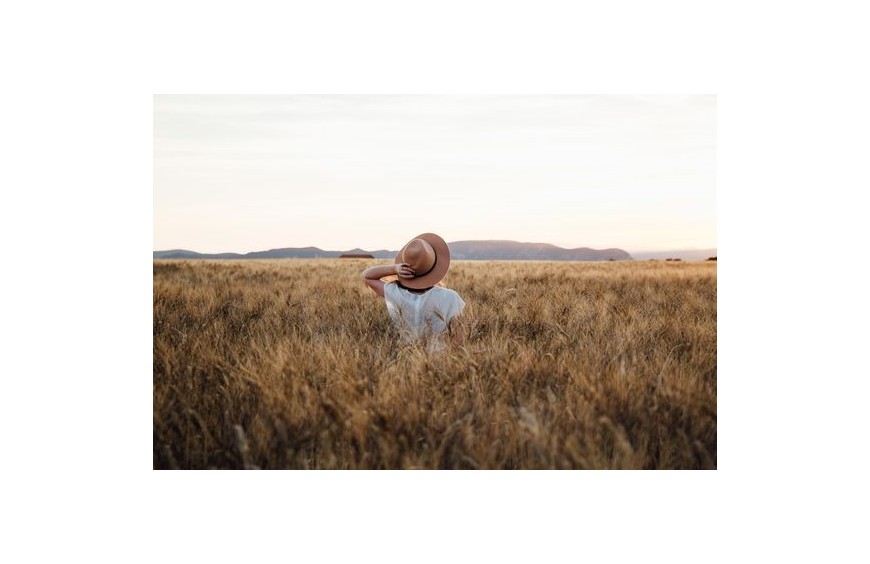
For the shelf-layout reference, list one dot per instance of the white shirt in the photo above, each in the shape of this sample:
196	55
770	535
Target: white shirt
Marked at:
422	316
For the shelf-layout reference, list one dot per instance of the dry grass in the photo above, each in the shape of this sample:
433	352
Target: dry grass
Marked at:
294	364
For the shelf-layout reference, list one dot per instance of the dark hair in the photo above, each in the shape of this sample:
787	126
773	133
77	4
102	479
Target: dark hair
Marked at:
413	290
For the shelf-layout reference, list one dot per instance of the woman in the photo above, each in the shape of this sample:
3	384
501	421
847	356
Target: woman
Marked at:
420	310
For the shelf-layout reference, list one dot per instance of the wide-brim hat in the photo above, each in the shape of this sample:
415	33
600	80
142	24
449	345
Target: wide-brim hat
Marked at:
428	256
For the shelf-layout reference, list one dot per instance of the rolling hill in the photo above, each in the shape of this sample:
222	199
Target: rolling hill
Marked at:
459	250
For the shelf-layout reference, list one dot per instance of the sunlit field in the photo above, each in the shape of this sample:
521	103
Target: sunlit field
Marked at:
293	364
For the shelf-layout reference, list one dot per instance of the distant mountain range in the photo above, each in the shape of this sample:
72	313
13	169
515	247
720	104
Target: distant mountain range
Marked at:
289	252
459	250
511	250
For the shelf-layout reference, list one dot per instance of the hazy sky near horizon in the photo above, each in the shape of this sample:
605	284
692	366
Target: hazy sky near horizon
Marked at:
250	173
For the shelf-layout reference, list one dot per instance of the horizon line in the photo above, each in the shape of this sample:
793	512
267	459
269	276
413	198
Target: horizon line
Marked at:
626	249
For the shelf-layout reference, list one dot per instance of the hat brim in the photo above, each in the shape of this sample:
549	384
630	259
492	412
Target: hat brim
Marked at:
442	263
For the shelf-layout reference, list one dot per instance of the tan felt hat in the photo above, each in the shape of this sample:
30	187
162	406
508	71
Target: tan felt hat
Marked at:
428	256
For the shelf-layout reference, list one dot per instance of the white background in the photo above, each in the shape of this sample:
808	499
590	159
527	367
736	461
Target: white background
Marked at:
77	226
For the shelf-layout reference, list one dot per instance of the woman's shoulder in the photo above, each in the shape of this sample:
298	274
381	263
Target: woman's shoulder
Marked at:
390	287
446	292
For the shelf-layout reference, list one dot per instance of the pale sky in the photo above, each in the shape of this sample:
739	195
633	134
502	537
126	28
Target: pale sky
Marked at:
250	173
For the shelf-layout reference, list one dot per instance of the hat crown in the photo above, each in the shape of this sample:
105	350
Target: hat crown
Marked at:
420	256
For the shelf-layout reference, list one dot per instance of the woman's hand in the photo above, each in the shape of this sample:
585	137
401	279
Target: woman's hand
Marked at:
403	270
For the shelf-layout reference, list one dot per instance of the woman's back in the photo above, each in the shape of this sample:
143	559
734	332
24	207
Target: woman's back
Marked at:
423	315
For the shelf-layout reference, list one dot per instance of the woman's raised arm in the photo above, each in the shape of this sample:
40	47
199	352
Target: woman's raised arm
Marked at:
372	276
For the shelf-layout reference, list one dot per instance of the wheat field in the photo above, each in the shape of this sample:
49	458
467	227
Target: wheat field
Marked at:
293	364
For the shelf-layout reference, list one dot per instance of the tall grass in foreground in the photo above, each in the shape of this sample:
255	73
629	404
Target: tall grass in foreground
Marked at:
294	364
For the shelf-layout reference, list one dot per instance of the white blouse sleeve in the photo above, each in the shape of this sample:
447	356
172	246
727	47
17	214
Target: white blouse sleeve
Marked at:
391	296
455	307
